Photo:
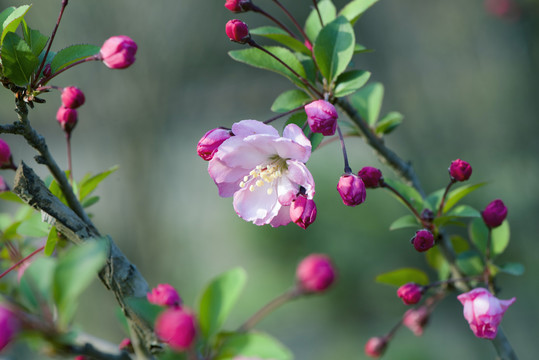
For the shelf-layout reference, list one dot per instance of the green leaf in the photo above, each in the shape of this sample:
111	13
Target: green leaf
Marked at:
408	192
359	49
12	21
289	100
71	54
34	39
328	13
33	226
402	276
478	232
90	201
89	184
308	65
74	273
433	200
406	221
10	196
316	139
253	344
500	238
218	299
459	244
259	59
281	36
18	60
470	262
368	102
334	48
52	240
350	81
461	211
145	309
389	123
299	119
56	190
36	282
515	269
353	10
456	195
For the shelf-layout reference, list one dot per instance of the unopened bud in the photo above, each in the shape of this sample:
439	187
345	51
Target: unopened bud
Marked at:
460	170
9	326
67	118
494	214
5	153
416	319
72	97
423	240
238	6
164	295
237	31
352	190
410	293
315	273
126	345
303	211
371	176
376	346
427	215
322	117
47	71
210	142
118	52
176	327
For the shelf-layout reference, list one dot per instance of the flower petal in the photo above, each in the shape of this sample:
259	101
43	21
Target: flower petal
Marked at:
294	133
299	174
226	178
257	206
251	127
282	218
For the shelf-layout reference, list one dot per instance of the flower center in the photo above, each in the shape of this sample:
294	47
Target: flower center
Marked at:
265	174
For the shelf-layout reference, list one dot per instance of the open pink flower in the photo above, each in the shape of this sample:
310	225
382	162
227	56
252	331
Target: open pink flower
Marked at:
263	171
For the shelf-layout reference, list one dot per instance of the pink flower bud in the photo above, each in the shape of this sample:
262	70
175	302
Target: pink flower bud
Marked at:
460	170
494	214
118	52
322	117
3	185
237	31
352	189
315	273
164	295
410	293
72	97
5	153
126	345
371	176
303	211
483	311
176	327
67	118
9	326
423	240
376	346
416	319
210	142
238	5
47	71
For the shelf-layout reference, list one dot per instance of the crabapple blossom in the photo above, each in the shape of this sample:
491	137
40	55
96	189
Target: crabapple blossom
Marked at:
460	170
208	145
72	97
410	293
303	211
164	295
322	117
495	213
416	319
352	189
263	171
483	311
315	273
176	327
237	30
118	52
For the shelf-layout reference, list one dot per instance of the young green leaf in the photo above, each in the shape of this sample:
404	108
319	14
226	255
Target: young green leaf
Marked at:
89	201
52	240
368	102
316	139
515	269
433	200
144	309
408	192
281	36
289	100
328	12
350	81
218	299
71	54
253	344
259	59
299	119
353	10
402	276
89	183
34	39
478	232
36	282
389	123
334	48
33	226
405	221
56	190
470	262
10	196
456	195
18	60
360	49
500	238
308	65
12	20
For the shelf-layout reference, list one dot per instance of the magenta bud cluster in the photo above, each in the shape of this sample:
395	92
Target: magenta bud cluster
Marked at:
423	240
352	190
315	273
164	295
376	346
410	293
416	319
176	326
494	214
118	52
237	31
322	117
210	142
371	176
460	170
303	211
9	326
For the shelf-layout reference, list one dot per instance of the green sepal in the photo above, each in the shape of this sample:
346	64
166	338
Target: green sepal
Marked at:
281	36
405	221
260	59
18	60
389	123
350	81
354	9
402	276
252	344
218	299
368	102
334	48
71	54
289	100
328	13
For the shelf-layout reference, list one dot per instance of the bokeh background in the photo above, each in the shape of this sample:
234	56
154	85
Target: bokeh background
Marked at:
466	80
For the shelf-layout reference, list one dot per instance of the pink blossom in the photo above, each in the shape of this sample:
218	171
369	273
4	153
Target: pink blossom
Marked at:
322	117
483	311
416	319
118	52
263	171
210	142
315	273
352	189
164	295
176	327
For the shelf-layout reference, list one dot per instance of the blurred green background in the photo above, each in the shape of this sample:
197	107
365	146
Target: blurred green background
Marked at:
466	81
